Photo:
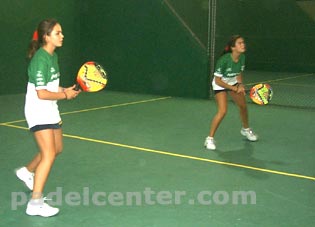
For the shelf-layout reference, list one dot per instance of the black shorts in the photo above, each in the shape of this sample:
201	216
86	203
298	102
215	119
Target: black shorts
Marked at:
223	90
47	126
218	91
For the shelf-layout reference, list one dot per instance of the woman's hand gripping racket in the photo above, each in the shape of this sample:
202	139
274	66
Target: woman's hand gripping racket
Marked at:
91	77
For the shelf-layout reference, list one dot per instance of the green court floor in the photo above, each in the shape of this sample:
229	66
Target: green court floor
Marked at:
138	160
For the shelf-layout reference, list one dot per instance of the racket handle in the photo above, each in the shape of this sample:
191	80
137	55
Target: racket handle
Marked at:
77	87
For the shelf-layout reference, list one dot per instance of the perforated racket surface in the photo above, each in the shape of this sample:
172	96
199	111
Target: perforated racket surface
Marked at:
261	94
91	77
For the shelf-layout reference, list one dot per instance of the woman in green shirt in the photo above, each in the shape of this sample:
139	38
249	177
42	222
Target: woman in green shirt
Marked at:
228	79
42	114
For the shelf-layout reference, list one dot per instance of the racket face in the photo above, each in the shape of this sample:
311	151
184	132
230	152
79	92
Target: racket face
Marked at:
92	77
261	94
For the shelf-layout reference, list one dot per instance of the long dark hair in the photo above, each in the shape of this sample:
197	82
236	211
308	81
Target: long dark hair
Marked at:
230	44
45	27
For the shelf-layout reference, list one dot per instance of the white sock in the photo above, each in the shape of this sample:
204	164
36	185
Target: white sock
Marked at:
26	170
36	202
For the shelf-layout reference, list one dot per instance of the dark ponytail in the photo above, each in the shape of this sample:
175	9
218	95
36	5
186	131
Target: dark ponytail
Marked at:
32	48
44	28
230	44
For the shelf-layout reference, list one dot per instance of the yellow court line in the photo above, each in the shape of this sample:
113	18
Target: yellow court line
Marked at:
117	105
190	157
296	85
13	126
280	79
178	155
99	108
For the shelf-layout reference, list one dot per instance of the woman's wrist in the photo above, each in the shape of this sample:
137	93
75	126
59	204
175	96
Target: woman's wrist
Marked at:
235	88
61	89
66	97
238	85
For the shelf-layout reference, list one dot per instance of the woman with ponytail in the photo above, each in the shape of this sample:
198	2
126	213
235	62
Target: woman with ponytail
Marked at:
42	114
228	78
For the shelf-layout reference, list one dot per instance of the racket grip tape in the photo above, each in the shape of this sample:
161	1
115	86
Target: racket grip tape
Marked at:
77	87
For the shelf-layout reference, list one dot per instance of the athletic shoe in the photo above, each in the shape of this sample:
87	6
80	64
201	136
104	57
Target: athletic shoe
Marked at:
249	133
210	143
26	176
40	208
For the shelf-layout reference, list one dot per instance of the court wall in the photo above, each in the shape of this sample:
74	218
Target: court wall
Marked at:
158	46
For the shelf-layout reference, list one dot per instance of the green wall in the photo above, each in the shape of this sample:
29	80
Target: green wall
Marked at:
140	43
18	21
144	48
194	15
280	35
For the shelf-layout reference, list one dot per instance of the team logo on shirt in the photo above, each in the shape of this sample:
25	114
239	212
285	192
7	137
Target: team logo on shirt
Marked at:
39	78
54	75
39	74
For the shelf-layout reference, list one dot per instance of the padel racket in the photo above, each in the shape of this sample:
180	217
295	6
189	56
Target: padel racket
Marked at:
91	77
261	94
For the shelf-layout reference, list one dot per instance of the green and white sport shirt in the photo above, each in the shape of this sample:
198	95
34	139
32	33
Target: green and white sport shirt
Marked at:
43	73
228	70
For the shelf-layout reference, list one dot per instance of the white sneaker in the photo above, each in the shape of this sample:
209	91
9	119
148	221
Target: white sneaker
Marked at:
249	133
39	207
26	176
210	143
